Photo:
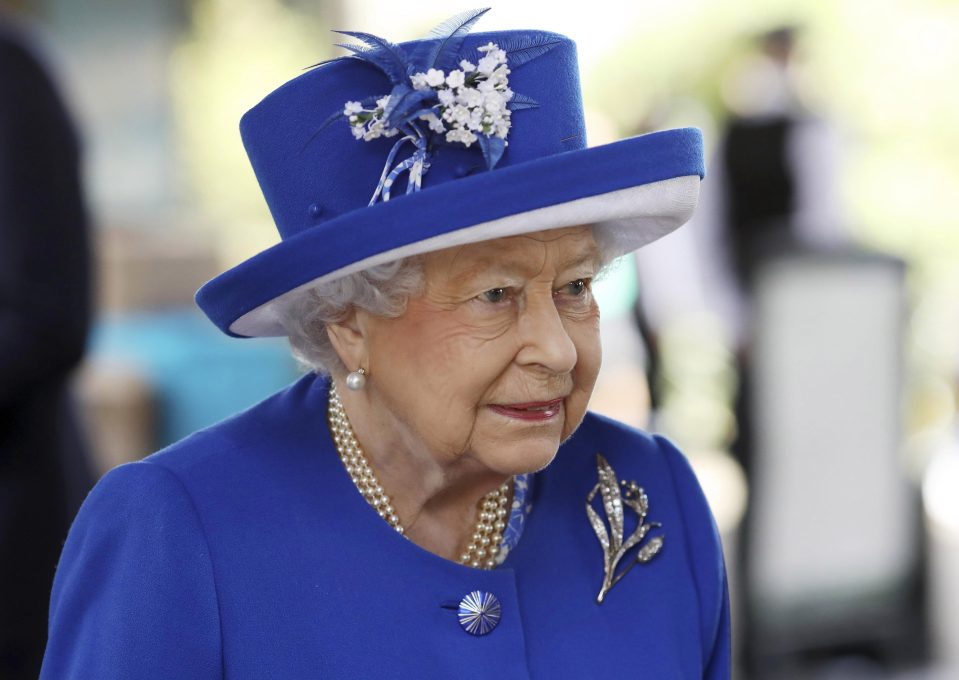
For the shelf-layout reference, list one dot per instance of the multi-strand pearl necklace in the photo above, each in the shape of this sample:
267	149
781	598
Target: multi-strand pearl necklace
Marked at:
488	535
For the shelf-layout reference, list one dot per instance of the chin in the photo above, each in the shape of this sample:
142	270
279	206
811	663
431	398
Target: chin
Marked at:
542	465
515	447
525	458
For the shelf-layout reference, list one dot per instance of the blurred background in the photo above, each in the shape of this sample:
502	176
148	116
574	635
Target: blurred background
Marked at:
799	339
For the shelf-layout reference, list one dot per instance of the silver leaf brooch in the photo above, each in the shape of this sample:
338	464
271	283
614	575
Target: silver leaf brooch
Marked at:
611	538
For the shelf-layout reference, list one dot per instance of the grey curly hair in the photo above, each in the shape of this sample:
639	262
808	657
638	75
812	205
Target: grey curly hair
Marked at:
383	290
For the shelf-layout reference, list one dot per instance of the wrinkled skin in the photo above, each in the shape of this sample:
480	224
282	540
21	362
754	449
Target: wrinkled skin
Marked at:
501	322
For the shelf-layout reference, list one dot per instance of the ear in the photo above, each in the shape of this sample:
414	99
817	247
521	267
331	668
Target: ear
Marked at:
349	339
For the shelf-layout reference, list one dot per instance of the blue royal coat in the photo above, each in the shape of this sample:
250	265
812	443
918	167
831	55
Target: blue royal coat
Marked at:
245	551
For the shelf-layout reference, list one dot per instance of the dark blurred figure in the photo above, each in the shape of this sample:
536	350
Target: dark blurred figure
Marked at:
769	209
760	167
759	163
44	317
771	189
773	202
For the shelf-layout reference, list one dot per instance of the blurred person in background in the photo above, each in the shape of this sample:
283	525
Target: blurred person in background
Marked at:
770	211
44	316
772	190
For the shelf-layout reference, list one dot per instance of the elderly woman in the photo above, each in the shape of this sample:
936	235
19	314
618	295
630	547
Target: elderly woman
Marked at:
432	500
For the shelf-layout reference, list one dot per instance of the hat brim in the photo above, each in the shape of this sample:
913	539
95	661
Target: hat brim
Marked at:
637	190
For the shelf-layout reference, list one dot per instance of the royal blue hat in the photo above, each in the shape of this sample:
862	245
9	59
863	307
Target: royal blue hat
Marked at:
402	149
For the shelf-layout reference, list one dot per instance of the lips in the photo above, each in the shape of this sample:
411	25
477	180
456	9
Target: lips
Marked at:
530	411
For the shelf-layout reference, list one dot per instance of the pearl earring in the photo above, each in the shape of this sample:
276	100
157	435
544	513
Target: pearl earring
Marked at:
357	379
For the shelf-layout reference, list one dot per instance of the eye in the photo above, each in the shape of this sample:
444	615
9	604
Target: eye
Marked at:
494	295
576	288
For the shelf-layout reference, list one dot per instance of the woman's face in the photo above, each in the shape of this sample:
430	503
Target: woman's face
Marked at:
495	362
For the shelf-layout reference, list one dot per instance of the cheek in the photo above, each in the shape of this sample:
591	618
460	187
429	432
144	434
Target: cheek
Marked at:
584	332
451	344
455	360
589	354
447	365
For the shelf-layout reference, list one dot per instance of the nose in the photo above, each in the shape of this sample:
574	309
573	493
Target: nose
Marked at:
545	341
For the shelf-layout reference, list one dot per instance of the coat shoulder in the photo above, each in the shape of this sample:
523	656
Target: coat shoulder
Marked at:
627	448
258	435
136	554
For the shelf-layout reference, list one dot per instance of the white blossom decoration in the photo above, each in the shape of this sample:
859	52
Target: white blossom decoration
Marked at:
439	95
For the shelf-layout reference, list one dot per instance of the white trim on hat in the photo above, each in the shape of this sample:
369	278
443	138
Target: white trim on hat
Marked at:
631	217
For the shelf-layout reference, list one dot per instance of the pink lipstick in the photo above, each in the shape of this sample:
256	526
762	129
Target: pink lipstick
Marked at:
532	411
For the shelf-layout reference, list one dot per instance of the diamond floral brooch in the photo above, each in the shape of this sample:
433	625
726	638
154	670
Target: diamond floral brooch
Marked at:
611	536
